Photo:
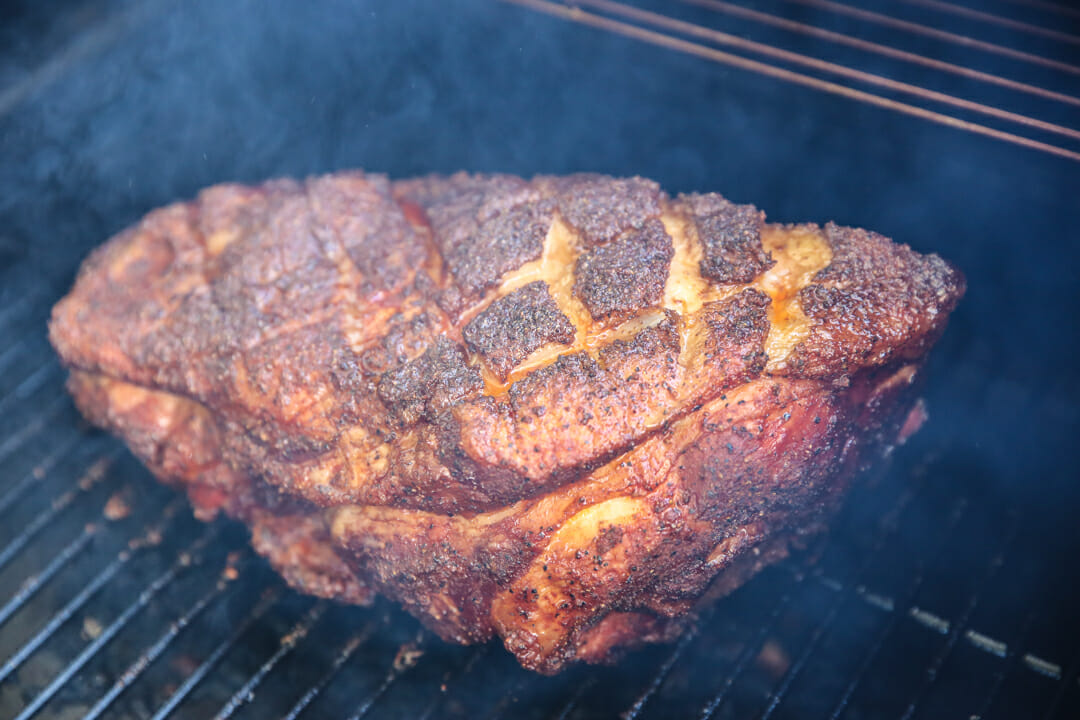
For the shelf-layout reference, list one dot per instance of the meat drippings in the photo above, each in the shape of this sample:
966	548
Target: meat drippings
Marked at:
800	251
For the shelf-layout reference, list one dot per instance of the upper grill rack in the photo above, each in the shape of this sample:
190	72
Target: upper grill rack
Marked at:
890	55
116	603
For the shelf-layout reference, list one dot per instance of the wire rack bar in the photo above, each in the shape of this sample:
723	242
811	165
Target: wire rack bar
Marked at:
992	19
268	598
748	653
30	586
721	38
887	528
575	698
88	481
959	510
960	624
192	557
395	673
299	631
660	675
35	425
29	384
347	651
35	476
16	308
1012	663
455	674
727	8
927	31
92	41
509	697
1068	679
11	352
225	581
150	538
577	15
1052	7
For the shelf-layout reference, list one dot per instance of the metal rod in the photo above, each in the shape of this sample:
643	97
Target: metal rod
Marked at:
748	653
35	476
1047	6
885	530
87	44
395	672
454	674
722	38
268	598
661	675
1011	663
879	641
346	652
959	625
11	352
159	646
1068	679
30	586
6	313
584	18
30	383
926	31
192	557
20	320
575	698
720	6
508	698
800	662
298	632
992	19
151	537
34	426
92	477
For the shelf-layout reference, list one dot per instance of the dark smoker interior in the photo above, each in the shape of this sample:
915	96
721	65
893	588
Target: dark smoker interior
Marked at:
947	588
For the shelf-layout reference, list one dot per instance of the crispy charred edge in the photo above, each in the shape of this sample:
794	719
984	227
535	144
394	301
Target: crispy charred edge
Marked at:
876	302
484	226
427	386
660	562
481	225
443	555
517	324
602	208
292	443
186	264
579	412
626	276
730	236
619	632
725	489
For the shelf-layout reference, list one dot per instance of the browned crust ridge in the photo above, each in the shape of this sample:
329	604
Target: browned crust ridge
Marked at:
557	410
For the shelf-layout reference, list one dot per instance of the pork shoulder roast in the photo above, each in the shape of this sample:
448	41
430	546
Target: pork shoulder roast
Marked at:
564	412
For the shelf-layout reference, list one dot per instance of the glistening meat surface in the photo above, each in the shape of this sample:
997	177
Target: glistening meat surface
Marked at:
562	411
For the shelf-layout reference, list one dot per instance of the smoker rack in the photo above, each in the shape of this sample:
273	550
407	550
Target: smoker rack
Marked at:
927	599
117	603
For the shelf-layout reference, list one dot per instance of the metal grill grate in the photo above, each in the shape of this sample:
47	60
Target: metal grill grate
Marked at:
927	599
118	604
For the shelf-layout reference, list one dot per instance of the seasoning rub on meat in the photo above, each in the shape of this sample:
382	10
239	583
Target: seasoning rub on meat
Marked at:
564	412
